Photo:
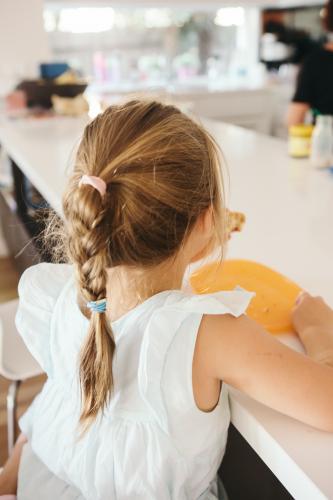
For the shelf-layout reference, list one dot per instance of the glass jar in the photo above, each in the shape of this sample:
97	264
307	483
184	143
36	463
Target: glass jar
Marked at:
322	142
300	140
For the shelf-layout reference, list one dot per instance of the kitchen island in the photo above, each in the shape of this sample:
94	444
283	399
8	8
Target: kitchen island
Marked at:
289	206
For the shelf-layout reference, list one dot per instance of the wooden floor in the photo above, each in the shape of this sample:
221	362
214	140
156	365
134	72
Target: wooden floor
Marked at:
8	290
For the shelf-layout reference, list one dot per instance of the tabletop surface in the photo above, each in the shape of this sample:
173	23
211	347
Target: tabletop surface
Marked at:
44	149
289	208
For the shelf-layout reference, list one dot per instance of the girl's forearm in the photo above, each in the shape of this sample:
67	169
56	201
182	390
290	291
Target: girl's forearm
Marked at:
318	343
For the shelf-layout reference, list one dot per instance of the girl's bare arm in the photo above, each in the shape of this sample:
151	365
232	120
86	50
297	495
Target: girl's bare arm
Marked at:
241	353
296	113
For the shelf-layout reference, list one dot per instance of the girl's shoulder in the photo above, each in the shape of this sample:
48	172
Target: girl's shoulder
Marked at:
177	316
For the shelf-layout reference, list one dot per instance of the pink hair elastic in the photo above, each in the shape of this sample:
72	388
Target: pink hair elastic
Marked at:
95	182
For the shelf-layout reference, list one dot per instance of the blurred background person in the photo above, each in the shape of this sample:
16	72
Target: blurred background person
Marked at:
315	81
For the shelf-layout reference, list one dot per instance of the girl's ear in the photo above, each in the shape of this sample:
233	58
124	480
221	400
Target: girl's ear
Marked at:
207	222
203	240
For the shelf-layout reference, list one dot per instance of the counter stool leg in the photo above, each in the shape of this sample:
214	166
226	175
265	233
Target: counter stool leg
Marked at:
11	413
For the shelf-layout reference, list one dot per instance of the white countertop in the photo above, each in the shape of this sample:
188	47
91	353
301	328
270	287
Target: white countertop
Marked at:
289	208
44	151
288	205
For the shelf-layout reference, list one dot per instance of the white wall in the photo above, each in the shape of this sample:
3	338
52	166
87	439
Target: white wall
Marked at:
23	42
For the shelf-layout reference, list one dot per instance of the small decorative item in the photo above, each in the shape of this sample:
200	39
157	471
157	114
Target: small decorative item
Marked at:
70	106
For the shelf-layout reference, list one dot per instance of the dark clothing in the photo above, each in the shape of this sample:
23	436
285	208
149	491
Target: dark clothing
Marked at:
315	81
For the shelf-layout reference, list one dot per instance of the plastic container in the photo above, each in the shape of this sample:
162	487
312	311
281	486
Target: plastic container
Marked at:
300	141
322	142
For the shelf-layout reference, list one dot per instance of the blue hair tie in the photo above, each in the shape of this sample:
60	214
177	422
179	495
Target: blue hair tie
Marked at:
98	306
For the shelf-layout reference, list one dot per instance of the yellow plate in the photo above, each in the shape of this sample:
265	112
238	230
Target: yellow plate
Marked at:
275	294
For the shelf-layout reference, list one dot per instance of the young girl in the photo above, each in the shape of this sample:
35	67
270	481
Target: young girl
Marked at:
135	405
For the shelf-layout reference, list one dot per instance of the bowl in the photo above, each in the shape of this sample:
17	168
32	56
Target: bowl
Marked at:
39	92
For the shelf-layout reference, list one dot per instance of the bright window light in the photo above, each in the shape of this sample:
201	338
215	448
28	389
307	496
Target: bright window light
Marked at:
157	18
86	20
50	23
229	16
95	107
121	20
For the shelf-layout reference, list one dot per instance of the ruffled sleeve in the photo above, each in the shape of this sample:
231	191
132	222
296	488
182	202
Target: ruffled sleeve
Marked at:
39	289
166	324
234	302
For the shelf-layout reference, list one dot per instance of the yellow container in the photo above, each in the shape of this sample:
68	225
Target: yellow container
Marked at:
299	145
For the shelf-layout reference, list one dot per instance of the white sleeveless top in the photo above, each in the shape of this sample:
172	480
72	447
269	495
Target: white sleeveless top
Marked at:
151	442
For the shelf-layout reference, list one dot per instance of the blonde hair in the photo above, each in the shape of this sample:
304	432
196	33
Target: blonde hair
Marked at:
162	171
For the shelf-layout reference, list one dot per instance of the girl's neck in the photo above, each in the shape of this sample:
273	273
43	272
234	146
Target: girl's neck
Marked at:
128	287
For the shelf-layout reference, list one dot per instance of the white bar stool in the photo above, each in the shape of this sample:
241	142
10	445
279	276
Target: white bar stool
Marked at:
16	363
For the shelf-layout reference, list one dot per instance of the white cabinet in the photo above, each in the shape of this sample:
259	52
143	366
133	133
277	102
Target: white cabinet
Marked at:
260	107
252	109
282	95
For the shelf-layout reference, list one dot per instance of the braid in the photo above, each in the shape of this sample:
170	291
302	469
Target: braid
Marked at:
88	236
